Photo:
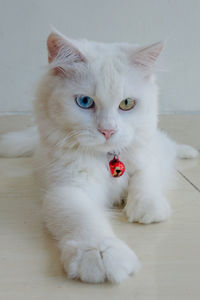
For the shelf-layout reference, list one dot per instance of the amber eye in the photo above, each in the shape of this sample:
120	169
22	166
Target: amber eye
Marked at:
127	104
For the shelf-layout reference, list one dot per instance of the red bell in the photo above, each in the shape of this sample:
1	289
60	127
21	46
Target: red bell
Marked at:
117	168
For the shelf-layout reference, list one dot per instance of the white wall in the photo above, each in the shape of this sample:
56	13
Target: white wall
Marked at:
25	24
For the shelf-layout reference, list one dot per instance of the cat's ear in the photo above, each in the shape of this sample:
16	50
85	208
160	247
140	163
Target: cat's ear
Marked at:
61	48
145	58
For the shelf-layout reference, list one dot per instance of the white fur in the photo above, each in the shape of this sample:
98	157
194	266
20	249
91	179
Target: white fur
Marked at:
19	143
186	151
72	156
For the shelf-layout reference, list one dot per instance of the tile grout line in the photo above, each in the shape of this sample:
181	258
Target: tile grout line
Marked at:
194	186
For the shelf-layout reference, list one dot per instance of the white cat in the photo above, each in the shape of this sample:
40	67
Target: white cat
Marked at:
97	99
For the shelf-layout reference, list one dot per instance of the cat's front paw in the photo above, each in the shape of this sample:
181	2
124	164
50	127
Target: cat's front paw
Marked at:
110	260
147	210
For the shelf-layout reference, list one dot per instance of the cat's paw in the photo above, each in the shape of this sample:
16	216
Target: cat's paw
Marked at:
186	151
111	260
147	211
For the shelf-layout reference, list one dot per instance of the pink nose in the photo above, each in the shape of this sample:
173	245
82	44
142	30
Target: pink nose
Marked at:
107	133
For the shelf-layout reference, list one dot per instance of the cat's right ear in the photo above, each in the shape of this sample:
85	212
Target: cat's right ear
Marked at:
62	49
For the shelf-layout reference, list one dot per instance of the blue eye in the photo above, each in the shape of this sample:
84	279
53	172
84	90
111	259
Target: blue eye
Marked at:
84	101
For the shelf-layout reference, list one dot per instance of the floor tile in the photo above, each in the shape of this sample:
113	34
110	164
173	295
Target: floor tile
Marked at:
191	170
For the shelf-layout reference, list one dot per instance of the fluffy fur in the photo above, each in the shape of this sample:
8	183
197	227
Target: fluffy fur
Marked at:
72	155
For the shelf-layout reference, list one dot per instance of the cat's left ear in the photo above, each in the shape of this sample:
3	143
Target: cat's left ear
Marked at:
145	58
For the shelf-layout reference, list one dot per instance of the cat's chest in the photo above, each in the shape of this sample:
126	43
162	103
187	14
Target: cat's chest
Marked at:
95	174
103	169
92	174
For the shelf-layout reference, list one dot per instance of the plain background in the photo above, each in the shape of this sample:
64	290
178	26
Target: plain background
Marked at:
25	25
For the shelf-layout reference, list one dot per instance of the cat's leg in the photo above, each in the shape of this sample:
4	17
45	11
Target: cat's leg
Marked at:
89	249
146	201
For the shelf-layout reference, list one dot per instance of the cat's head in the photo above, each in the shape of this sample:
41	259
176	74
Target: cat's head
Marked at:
100	94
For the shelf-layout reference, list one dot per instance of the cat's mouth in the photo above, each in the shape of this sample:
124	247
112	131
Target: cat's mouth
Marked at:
108	146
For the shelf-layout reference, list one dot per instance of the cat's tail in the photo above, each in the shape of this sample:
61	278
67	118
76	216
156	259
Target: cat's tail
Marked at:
19	143
186	151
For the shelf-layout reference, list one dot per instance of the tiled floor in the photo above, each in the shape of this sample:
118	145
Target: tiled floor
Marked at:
169	251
